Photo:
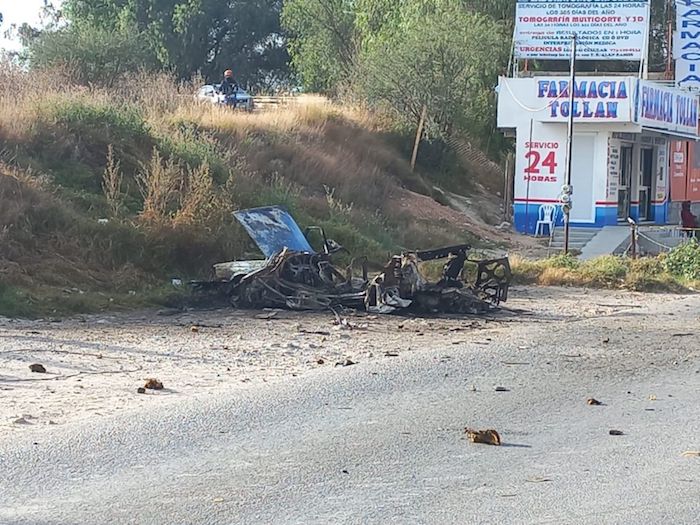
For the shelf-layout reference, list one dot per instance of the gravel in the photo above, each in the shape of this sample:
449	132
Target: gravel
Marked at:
280	438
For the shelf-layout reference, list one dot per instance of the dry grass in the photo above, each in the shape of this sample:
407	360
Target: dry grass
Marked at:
646	274
112	179
159	181
168	171
199	199
309	116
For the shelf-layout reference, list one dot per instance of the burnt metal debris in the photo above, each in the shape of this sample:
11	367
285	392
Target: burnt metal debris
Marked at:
297	277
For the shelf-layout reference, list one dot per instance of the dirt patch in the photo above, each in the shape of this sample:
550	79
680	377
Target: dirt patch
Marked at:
100	360
427	209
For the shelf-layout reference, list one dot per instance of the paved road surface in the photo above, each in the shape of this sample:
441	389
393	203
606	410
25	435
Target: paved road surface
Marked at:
382	441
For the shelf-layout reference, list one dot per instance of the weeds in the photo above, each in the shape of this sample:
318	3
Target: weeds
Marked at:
159	182
84	116
112	184
647	274
684	261
197	198
335	205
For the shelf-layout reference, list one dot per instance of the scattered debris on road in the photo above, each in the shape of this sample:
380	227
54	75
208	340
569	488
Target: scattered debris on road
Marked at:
538	480
37	368
501	389
487	437
153	384
297	277
594	402
140	390
691	454
270	314
616	433
346	362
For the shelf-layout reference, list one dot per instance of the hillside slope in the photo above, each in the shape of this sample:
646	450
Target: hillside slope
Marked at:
108	193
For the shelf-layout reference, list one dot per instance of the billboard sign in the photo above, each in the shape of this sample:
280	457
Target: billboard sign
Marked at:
686	46
605	30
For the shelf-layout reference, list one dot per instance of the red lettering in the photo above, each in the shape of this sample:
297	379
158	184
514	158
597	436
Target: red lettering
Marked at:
540	178
550	162
534	158
535	163
542	145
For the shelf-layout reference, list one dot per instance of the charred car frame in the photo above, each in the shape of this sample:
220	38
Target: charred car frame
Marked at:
296	276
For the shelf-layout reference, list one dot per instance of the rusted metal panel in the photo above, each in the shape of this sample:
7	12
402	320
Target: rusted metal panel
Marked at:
273	230
229	270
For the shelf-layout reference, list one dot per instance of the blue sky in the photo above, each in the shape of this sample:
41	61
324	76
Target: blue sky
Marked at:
17	12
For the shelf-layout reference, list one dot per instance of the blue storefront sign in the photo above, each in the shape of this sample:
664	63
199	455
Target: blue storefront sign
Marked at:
686	48
667	109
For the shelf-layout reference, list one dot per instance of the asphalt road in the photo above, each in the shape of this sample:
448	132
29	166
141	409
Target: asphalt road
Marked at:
382	441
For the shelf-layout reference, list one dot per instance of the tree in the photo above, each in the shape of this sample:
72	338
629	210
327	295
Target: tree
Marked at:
94	55
441	55
323	45
188	36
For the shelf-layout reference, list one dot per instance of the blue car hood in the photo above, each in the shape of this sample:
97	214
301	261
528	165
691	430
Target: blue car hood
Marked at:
273	229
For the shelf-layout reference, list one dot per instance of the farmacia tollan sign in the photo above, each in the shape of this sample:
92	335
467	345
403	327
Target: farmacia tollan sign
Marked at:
592	99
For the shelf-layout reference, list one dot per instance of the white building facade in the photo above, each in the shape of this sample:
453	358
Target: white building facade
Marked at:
623	130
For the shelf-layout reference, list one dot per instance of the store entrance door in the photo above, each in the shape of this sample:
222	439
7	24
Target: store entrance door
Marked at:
646	179
625	183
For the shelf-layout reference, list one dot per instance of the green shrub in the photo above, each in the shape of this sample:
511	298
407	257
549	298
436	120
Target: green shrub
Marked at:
13	302
566	261
194	149
607	270
123	121
684	261
71	137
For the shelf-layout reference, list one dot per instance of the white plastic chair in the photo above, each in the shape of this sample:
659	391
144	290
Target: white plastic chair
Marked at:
546	217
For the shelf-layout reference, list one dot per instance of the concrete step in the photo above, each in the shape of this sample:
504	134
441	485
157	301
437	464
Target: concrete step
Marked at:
585	234
578	239
572	246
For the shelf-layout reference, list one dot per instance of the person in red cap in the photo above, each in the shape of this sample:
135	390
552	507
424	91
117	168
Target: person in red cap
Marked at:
229	87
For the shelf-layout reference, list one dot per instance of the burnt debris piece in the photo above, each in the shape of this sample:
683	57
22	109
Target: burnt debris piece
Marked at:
296	276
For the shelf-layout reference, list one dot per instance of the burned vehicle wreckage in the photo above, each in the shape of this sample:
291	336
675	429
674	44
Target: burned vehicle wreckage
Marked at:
295	276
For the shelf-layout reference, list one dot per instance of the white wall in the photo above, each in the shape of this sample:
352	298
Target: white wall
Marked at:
546	185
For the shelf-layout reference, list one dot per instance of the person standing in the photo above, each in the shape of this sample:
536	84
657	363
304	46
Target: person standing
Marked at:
688	220
229	87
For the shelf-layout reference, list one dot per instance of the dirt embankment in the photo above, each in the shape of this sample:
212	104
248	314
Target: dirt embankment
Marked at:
110	192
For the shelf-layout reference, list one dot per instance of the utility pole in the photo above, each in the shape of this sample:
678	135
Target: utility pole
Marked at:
567	190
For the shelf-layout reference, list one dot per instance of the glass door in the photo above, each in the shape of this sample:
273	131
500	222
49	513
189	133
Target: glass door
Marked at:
646	179
623	191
